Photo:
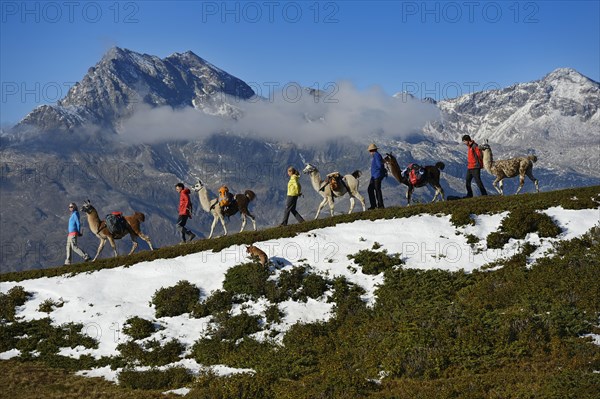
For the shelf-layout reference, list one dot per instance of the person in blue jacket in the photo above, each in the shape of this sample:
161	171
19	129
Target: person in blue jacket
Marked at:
74	232
378	172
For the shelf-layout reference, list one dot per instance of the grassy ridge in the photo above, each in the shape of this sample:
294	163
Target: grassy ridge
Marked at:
459	210
511	332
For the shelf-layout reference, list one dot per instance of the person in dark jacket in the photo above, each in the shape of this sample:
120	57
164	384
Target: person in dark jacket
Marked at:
474	165
74	232
378	172
185	212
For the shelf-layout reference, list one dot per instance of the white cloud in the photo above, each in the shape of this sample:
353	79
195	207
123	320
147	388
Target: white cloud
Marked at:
291	115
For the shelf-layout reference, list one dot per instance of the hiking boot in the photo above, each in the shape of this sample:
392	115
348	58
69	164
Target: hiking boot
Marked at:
192	236
370	208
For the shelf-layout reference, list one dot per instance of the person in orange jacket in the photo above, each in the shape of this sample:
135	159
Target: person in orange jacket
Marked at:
185	212
474	165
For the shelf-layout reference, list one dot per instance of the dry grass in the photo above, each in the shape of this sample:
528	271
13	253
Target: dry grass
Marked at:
30	380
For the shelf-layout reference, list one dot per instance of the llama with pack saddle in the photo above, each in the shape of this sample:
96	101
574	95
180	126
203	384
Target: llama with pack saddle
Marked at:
430	176
130	226
214	207
334	186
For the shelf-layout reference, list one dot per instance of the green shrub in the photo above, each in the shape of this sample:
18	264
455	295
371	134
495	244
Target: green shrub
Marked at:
288	284
497	240
176	300
236	327
138	328
154	379
461	217
218	301
239	386
314	286
49	305
375	262
523	221
210	351
273	315
247	279
472	239
16	296
151	353
42	337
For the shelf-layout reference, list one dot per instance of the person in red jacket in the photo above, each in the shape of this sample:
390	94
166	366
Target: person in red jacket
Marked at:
185	212
474	165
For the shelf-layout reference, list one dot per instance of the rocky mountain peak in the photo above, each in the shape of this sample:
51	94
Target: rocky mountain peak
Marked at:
123	80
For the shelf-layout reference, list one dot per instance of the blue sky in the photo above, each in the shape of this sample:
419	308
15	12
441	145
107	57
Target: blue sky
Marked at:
439	49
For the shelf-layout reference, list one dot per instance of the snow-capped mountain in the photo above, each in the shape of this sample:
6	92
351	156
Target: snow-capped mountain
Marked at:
124	80
563	106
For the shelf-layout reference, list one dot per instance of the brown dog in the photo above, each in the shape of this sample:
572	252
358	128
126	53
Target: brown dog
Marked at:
256	252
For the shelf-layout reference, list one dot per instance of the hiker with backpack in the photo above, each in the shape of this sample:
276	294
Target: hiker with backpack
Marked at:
74	232
294	190
378	172
185	212
474	165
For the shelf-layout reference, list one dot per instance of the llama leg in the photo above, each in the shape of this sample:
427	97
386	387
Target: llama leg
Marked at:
331	205
147	239
100	247
534	180
442	194
498	186
212	226
252	219
223	224
134	245
351	205
321	205
521	182
243	222
113	245
361	199
435	194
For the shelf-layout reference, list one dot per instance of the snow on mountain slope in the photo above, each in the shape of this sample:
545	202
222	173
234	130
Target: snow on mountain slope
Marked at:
103	300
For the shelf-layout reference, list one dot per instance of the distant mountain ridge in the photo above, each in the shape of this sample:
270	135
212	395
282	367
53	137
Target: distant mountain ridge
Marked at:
564	105
123	80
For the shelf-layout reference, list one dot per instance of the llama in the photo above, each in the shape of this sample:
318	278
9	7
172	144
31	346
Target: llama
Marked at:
99	228
431	177
509	168
212	205
349	186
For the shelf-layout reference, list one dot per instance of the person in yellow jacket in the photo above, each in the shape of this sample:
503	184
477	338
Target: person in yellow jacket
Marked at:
294	190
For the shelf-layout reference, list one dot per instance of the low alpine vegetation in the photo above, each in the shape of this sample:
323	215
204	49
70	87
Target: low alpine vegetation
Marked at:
373	262
174	301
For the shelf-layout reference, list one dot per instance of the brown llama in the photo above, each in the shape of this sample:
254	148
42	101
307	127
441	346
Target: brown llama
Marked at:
99	228
240	205
502	169
431	177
